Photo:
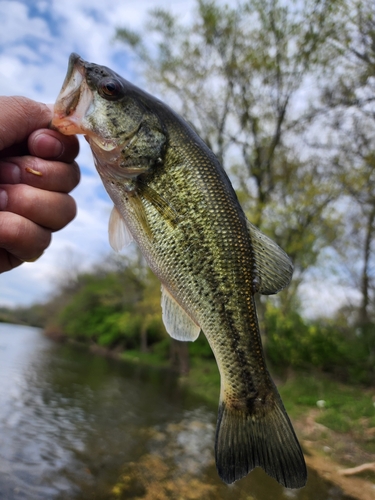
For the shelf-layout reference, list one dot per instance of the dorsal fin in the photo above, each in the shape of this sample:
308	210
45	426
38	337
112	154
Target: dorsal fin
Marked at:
177	322
274	267
119	234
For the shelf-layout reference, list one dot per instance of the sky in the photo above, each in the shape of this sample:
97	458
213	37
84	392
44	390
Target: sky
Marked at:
36	39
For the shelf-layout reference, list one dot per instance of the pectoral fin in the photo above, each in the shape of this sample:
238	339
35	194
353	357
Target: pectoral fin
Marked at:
119	234
177	322
273	265
162	206
139	209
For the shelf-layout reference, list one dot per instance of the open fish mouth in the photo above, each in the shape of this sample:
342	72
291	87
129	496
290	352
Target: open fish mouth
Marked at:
74	101
74	105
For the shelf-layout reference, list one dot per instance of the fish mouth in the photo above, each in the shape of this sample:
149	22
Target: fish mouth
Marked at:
74	99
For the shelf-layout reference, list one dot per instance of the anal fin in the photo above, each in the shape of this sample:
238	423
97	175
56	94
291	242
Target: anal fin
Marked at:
177	322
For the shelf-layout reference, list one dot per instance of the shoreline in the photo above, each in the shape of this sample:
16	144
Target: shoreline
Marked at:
309	431
353	486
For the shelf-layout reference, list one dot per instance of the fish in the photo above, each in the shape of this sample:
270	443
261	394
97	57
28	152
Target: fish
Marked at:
173	198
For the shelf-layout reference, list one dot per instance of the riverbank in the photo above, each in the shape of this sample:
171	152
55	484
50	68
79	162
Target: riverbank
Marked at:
334	422
318	456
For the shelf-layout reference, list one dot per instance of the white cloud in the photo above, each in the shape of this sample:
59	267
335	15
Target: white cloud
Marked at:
322	298
17	24
36	40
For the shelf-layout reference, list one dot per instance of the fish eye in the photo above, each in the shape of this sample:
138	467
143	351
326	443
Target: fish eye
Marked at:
110	88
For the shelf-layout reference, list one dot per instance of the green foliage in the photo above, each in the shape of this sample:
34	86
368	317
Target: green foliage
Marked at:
34	315
117	306
342	408
236	73
255	79
148	358
162	348
155	328
204	379
201	348
112	307
293	342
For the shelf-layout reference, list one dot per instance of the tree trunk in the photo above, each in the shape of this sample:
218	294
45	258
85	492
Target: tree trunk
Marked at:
144	346
180	357
365	282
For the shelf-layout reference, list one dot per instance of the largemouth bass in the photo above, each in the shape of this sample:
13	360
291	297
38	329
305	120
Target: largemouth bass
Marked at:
172	196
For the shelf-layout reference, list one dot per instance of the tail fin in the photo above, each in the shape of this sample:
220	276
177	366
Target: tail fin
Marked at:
262	436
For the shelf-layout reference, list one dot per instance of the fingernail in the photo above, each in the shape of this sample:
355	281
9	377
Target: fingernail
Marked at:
3	199
10	172
34	259
47	146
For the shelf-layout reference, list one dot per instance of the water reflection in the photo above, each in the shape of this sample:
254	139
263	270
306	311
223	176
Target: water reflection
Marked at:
76	426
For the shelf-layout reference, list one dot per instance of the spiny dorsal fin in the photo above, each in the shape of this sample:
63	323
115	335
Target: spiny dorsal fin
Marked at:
177	322
273	265
119	234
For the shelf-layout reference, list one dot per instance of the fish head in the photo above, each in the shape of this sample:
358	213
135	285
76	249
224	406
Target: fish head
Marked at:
125	135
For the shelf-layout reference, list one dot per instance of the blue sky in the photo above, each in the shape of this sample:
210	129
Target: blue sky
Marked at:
36	39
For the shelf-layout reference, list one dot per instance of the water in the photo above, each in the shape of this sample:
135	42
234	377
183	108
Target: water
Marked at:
77	426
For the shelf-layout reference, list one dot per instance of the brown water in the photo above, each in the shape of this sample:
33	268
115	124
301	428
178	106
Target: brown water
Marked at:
72	424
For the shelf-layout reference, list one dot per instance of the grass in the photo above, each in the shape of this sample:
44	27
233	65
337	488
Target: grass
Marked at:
343	408
204	379
347	410
149	358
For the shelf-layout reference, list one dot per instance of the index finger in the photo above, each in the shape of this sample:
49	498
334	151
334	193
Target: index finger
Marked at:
53	145
19	117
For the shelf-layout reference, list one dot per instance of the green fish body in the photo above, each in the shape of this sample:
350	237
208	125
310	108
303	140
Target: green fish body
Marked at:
172	196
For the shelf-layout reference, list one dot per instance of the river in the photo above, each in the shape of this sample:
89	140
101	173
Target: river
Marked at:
73	425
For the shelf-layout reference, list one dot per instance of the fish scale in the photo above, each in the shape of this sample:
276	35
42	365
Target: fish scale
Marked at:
173	197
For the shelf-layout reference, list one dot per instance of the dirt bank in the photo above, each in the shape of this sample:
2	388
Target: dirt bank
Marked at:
330	453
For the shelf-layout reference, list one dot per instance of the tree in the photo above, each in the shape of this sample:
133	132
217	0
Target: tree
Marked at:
237	74
350	99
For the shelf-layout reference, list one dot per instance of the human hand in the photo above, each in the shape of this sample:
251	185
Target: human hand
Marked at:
37	170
